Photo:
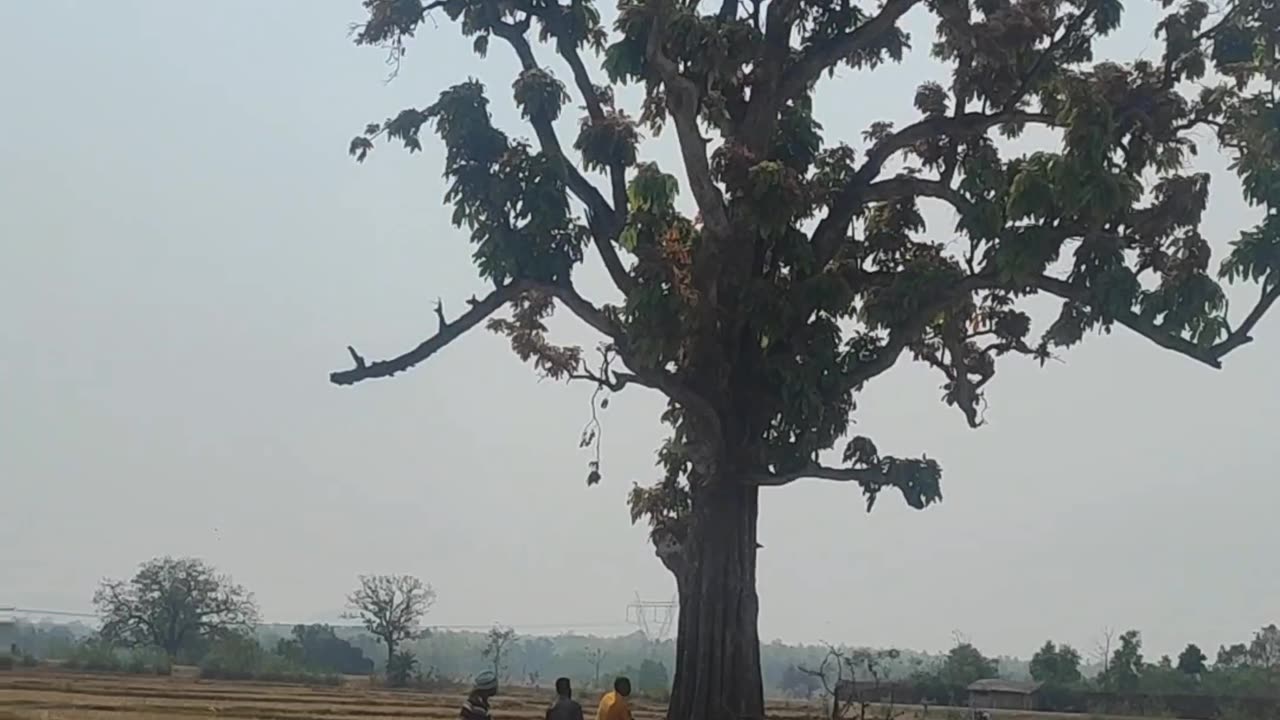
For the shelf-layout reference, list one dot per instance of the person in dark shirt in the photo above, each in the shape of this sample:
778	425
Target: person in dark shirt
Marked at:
565	707
477	705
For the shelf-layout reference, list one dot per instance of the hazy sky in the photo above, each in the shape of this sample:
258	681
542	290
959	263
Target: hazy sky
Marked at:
186	250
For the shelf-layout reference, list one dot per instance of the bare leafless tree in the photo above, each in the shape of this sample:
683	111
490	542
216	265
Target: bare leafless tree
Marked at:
1102	651
391	607
596	657
838	675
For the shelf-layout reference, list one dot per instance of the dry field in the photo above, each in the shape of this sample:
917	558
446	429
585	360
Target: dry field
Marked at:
50	695
46	694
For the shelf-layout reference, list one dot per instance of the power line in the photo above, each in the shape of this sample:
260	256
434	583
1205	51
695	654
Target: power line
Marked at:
471	626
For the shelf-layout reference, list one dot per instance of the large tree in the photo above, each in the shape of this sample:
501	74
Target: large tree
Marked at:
171	603
1191	661
807	270
1125	669
391	607
1057	664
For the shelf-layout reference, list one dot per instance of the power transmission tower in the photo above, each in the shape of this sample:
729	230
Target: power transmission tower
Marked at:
654	618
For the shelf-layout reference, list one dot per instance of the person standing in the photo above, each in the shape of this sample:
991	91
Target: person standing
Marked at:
565	707
477	705
614	705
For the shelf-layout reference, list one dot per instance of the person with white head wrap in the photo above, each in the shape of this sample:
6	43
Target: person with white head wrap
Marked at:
484	687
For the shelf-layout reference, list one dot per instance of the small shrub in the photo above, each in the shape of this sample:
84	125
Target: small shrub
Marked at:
401	668
6	662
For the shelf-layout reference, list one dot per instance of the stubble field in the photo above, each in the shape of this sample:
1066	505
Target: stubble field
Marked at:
51	695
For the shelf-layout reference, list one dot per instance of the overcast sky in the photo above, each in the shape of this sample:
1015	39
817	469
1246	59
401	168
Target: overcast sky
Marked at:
186	250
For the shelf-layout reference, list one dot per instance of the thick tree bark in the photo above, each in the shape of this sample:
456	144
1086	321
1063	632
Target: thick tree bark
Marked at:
717	673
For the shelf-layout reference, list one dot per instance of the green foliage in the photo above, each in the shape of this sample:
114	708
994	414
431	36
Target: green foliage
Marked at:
497	648
964	665
650	679
401	668
317	648
97	655
1124	671
1191	661
808	268
1056	664
239	657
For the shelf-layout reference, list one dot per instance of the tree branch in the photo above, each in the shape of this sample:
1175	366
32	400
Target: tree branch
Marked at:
447	333
554	18
1143	326
682	104
817	472
908	186
831	230
1073	27
825	55
904	334
598	209
618	382
654	378
1241	335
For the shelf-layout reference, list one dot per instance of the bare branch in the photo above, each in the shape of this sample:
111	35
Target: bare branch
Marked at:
616	383
440	314
447	333
817	472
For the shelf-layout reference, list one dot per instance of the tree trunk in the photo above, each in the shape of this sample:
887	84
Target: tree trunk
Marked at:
717	673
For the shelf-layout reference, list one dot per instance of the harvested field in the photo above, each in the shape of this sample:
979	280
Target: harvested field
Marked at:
51	695
47	694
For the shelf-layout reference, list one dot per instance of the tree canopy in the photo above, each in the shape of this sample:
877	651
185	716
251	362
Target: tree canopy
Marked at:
1058	664
1192	661
1125	668
391	607
808	269
319	649
965	664
170	603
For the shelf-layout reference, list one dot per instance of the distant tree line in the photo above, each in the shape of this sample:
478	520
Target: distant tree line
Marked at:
183	611
1243	675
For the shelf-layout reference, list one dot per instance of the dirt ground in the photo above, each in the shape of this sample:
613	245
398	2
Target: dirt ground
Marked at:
47	694
50	695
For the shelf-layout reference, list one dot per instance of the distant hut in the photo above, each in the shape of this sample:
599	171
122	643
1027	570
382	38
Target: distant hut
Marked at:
997	694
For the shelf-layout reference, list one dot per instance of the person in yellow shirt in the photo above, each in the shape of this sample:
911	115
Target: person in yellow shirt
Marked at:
614	705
